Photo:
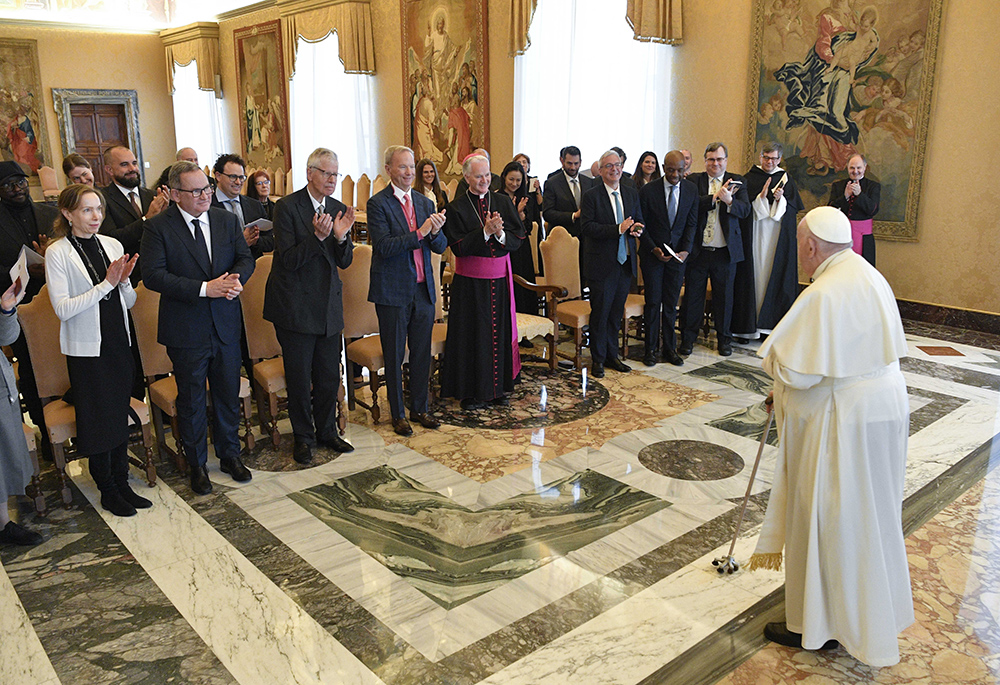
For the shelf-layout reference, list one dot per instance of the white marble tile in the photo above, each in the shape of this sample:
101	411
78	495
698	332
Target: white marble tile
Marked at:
22	657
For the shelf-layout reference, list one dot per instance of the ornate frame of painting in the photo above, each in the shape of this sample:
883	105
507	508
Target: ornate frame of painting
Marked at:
883	103
447	114
260	77
21	102
62	98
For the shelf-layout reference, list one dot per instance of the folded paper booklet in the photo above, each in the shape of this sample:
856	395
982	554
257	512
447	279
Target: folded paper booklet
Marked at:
261	225
782	182
19	275
669	251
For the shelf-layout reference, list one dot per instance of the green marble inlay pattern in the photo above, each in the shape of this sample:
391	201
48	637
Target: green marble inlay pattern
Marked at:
739	376
452	554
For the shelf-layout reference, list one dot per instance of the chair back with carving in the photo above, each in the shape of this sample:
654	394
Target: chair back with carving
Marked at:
347	191
363	190
560	256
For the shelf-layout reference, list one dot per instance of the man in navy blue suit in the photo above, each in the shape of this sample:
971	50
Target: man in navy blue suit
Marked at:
403	229
670	206
610	222
198	261
717	249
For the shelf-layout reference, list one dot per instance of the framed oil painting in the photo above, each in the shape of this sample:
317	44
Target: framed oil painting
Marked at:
445	80
831	78
23	137
260	77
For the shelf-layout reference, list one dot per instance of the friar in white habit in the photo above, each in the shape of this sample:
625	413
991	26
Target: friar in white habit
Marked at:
843	421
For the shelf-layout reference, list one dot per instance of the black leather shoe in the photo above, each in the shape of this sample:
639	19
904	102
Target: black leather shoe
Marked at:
132	498
597	370
16	534
685	349
649	359
401	427
336	443
741	341
112	500
425	420
199	480
670	356
725	349
236	469
780	634
502	401
302	453
618	365
472	404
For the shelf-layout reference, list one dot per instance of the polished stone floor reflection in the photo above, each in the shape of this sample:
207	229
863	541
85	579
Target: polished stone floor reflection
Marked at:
565	538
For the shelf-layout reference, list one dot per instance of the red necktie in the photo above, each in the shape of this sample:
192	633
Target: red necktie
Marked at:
418	254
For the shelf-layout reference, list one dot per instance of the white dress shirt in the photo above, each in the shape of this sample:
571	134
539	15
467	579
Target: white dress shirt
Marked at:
206	232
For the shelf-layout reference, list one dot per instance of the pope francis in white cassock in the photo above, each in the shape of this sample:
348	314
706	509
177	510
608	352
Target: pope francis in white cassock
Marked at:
843	420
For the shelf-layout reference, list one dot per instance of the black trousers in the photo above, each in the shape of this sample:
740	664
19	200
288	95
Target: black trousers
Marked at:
219	363
662	282
607	307
312	376
714	265
400	327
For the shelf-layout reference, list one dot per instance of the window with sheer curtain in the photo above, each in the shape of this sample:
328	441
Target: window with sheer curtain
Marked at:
585	81
197	117
331	109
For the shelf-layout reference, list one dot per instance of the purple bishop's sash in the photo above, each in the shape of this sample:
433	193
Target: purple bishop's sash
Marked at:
490	268
858	229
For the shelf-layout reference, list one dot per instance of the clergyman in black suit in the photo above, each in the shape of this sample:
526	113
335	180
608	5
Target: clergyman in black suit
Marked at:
670	206
129	204
304	301
858	198
610	220
198	261
717	249
403	229
230	174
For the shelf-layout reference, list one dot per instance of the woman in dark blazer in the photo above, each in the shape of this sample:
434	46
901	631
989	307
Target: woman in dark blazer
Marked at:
88	279
512	184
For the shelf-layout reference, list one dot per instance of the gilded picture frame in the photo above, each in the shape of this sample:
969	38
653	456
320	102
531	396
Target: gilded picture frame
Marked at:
24	137
445	80
830	78
263	96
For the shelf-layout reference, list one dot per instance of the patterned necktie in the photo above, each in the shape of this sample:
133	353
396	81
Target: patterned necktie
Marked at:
411	220
671	205
575	187
133	197
237	209
713	215
619	217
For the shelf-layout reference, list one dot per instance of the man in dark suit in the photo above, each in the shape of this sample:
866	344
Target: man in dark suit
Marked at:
312	238
670	207
564	191
198	261
229	172
129	205
858	198
403	229
23	223
717	249
610	221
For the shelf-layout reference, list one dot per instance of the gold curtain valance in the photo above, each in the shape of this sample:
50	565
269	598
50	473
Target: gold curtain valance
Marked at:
351	19
199	42
521	13
657	21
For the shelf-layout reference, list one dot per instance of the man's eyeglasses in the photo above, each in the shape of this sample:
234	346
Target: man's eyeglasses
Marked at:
770	158
197	192
717	160
12	185
235	178
327	175
612	165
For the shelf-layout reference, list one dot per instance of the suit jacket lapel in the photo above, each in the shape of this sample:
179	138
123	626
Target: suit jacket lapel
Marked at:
396	209
115	195
184	237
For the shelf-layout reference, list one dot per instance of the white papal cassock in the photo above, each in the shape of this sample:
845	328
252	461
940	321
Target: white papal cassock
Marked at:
837	495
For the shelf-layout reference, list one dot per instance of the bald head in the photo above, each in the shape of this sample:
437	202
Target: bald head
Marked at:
187	154
674	166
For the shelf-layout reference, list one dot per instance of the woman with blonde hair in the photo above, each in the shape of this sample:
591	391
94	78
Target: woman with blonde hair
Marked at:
88	279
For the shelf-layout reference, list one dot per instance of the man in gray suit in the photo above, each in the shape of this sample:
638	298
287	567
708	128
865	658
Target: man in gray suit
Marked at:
404	229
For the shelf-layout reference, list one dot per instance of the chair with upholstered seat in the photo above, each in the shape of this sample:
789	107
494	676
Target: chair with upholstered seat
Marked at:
41	330
533	326
363	344
265	352
560	258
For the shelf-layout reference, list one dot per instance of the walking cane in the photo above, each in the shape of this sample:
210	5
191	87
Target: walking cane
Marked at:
728	564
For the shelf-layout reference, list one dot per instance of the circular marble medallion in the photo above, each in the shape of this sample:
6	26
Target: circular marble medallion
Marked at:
564	401
691	460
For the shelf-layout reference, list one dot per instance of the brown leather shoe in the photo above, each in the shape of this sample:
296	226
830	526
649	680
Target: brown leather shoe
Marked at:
402	427
425	420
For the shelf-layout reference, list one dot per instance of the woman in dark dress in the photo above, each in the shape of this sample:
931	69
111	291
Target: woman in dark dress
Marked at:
88	279
513	186
648	169
259	188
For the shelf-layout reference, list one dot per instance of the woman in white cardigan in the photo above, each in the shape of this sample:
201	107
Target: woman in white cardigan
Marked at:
88	280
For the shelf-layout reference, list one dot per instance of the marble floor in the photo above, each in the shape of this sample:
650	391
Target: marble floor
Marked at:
565	538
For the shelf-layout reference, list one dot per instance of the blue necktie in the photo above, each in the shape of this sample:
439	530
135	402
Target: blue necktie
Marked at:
622	249
671	206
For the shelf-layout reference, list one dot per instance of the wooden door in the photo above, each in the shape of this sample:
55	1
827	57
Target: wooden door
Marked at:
96	128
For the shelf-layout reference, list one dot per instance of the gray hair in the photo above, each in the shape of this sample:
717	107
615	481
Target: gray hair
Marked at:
467	164
321	153
179	168
600	161
393	150
772	147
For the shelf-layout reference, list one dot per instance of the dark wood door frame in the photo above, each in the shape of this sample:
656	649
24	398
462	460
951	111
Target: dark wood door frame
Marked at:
64	97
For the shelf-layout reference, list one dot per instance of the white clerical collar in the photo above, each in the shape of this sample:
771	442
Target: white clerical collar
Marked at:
776	170
399	192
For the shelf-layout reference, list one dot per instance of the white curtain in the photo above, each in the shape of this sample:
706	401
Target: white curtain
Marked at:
197	117
331	109
586	81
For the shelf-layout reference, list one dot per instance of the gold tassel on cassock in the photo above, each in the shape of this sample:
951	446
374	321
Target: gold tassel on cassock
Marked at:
769	562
